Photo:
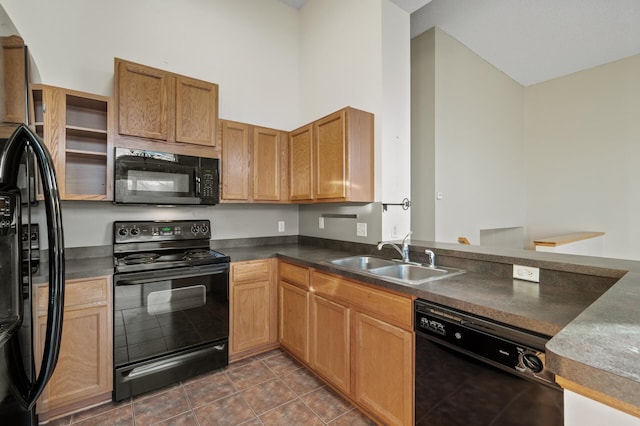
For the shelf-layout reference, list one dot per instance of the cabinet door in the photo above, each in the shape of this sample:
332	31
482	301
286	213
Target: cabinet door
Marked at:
235	161
266	164
330	151
250	310
294	319
84	372
330	342
301	164
383	364
145	101
196	111
252	303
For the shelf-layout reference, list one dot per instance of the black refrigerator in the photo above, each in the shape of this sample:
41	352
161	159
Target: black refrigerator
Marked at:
23	156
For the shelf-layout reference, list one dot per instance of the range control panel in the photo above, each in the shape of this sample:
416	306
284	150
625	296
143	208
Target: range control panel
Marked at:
144	231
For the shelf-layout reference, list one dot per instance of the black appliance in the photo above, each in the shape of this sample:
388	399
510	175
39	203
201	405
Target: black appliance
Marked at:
26	176
30	237
171	304
150	177
471	370
20	387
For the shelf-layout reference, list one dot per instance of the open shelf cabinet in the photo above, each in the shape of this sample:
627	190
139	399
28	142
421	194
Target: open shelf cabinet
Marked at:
76	128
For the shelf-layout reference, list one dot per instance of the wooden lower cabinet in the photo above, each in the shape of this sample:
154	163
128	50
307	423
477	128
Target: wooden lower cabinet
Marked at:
330	341
383	361
253	304
294	320
361	339
293	309
84	373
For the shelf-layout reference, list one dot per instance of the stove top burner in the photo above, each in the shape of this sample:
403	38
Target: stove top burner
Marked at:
161	245
197	254
138	258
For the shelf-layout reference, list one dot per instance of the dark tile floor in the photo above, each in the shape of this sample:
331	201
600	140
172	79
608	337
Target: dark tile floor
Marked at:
267	389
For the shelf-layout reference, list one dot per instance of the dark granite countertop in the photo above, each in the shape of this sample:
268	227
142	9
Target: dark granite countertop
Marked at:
596	326
596	330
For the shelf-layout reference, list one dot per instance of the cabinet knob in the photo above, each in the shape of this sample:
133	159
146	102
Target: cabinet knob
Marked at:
44	108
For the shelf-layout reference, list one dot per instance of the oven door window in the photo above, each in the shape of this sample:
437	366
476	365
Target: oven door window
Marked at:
166	316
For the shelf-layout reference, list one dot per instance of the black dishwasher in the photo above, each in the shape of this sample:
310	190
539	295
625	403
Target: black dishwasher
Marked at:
473	371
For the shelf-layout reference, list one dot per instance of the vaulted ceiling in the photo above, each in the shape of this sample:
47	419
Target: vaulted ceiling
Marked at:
533	41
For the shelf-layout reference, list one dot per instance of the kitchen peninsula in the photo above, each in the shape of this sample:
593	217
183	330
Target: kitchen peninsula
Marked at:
588	304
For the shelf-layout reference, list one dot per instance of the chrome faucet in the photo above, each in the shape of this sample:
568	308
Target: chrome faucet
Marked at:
432	258
404	252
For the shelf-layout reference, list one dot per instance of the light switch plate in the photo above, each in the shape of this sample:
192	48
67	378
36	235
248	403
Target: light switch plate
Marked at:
361	229
281	226
321	222
527	273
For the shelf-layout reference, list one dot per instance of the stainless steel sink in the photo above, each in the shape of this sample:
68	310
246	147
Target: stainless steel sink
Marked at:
415	274
405	273
362	262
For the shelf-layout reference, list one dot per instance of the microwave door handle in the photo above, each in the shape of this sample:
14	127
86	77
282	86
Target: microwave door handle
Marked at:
196	180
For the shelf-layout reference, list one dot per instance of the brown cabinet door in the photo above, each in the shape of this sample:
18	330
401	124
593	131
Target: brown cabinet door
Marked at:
266	164
145	101
383	364
250	316
294	320
83	374
330	152
301	164
235	160
196	111
330	342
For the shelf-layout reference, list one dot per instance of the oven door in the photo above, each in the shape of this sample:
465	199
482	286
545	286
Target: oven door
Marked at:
169	325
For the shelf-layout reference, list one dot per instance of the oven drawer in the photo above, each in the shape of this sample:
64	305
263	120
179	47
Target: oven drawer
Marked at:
160	372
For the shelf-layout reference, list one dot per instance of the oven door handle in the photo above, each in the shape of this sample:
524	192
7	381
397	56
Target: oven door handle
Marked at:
150	279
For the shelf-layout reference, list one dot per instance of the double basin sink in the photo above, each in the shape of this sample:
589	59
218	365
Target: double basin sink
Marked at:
395	270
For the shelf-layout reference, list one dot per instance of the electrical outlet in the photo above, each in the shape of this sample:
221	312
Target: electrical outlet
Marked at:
394	231
321	222
361	230
527	273
281	226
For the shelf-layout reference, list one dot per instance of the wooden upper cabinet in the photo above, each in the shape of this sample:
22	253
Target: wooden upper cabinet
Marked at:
331	160
160	105
253	163
301	164
196	111
76	128
143	101
235	161
12	72
331	153
267	168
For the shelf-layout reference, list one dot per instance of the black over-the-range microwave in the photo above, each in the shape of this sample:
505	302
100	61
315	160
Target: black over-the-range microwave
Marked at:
160	178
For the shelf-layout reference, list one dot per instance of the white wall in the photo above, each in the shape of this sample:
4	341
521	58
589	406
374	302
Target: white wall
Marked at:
356	53
582	138
423	156
248	47
478	134
395	146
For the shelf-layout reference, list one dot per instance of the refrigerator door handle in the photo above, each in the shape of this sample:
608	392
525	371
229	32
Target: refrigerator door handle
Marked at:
20	138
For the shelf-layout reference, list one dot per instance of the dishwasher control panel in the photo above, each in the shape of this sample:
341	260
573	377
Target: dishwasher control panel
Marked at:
498	344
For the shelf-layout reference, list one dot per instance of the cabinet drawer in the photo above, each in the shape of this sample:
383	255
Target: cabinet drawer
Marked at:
293	274
78	292
253	270
393	308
